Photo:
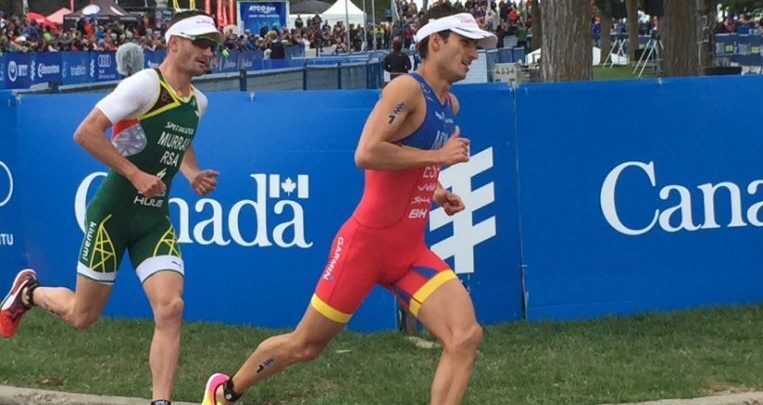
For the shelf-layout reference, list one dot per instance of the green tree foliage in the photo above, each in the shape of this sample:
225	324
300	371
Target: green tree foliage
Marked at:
743	6
605	6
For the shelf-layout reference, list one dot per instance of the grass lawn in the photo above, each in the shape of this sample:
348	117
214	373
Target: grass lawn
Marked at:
619	73
645	357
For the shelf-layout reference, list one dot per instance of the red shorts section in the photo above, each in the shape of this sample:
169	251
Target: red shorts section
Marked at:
362	257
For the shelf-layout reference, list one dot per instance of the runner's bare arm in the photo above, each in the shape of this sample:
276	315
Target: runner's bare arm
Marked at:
189	167
390	121
91	135
202	181
449	201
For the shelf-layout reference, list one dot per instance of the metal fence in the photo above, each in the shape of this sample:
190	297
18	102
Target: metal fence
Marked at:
305	75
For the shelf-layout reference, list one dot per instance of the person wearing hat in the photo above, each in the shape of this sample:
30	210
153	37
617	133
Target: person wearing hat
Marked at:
20	44
155	114
408	136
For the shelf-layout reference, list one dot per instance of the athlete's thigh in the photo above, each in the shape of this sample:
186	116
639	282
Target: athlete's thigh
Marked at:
103	244
315	327
156	249
163	287
350	274
449	308
91	296
423	278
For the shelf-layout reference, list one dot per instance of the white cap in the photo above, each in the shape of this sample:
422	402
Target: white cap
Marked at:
462	24
195	26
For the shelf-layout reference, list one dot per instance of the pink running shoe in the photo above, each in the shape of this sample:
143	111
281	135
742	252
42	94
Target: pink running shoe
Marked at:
13	308
215	381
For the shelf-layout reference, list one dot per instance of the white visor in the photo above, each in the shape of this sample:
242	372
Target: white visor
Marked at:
194	27
462	24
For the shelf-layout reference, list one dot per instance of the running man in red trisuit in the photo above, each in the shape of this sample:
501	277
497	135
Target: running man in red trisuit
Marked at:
409	135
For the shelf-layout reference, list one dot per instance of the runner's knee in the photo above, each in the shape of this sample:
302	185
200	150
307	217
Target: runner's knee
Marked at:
309	350
464	340
82	321
169	311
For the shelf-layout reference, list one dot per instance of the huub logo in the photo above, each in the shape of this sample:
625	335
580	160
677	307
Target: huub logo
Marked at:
274	216
5	173
680	215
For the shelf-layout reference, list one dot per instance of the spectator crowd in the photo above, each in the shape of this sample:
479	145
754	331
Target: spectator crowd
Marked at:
88	34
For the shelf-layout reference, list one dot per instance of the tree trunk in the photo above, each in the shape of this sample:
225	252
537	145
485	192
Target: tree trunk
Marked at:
680	38
537	28
606	43
11	7
633	40
567	42
707	50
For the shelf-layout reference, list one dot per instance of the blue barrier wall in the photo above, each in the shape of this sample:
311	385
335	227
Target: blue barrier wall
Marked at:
22	70
617	203
585	199
11	240
255	248
485	241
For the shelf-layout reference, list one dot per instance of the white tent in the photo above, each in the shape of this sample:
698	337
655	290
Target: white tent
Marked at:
58	16
336	13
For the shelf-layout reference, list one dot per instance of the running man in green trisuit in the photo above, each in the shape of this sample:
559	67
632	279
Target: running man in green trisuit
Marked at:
155	114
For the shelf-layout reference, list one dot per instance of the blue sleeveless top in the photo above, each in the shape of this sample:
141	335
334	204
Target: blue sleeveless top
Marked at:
438	123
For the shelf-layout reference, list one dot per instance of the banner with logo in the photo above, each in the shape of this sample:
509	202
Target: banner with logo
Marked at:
3	65
11	246
482	243
640	195
227	63
21	71
655	208
253	15
153	58
46	67
106	63
78	67
255	248
17	70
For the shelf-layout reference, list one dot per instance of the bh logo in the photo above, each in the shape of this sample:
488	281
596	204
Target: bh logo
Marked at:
466	234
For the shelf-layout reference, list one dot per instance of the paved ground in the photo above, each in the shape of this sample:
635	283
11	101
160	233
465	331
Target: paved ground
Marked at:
28	396
747	398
